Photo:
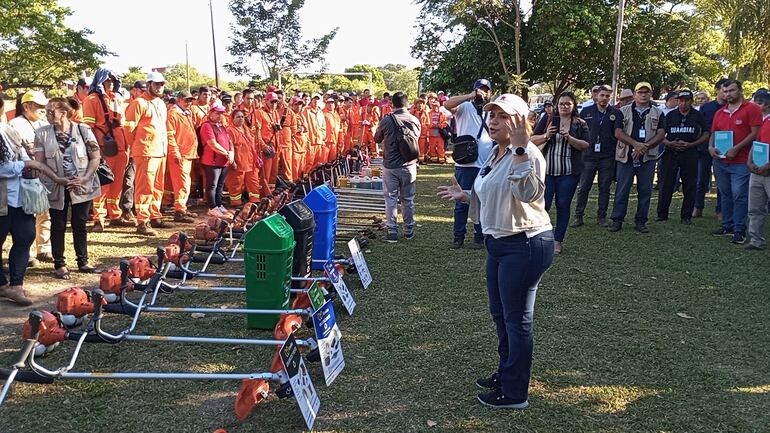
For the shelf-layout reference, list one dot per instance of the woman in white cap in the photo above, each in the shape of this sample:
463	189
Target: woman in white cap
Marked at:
507	198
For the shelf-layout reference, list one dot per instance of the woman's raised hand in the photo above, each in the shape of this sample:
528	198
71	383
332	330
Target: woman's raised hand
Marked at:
452	192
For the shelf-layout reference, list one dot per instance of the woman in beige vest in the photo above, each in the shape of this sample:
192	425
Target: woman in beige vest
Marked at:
70	150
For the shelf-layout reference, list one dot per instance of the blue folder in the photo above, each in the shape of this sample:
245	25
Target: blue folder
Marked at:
760	153
723	141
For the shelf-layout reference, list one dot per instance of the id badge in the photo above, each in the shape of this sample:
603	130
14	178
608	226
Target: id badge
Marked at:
597	147
79	152
642	134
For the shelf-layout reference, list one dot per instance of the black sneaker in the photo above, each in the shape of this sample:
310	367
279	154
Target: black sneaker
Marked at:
721	231
616	226
601	222
687	221
409	235
578	222
457	243
660	219
738	238
642	228
478	244
490	382
498	400
391	238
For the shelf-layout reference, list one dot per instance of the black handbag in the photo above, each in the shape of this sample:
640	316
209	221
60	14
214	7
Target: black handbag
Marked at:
466	147
109	144
105	174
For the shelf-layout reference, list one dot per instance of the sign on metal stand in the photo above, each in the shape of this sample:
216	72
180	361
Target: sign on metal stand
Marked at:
361	267
301	384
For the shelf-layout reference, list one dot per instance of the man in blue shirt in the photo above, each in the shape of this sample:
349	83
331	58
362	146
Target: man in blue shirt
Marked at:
703	184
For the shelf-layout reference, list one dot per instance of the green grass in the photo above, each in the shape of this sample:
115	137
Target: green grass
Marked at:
611	353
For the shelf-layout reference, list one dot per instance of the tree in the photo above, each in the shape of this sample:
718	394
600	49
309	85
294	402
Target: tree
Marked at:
400	78
37	49
133	75
176	76
270	30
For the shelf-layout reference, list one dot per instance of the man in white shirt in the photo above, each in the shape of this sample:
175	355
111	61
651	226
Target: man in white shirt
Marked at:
470	121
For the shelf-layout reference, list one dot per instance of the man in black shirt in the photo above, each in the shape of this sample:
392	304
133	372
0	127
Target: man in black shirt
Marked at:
685	130
600	155
703	184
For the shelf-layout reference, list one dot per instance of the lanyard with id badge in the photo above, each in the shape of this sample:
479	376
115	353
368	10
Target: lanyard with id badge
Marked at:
598	144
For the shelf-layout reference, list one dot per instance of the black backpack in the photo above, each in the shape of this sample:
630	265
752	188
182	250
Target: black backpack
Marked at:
406	140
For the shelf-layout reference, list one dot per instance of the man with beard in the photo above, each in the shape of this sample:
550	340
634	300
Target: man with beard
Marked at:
146	132
469	120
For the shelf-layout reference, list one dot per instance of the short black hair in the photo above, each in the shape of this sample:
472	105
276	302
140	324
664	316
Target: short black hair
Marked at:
730	82
762	98
248	92
721	83
204	89
604	88
399	100
386	94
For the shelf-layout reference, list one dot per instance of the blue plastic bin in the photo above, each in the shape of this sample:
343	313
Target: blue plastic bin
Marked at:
323	203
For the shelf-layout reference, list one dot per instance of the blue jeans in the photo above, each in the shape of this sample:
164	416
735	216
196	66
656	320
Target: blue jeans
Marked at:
733	185
624	173
703	184
465	177
563	187
515	265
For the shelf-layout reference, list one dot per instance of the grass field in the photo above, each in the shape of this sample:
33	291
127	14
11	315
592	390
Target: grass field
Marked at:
664	332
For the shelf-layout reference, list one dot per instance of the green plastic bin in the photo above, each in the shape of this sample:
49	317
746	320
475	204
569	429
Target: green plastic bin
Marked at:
268	253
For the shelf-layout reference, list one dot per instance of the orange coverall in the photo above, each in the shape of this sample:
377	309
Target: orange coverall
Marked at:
435	141
371	115
353	135
182	150
268	117
424	117
93	116
287	144
246	172
329	152
300	144
316	122
145	128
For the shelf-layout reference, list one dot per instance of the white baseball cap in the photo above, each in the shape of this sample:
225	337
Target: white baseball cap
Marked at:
510	104
218	107
155	77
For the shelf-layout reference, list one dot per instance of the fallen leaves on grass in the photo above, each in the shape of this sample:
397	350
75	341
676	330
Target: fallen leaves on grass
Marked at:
432	423
684	316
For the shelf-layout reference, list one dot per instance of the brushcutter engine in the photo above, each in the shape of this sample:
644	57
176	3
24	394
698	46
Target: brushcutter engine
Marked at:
73	304
50	333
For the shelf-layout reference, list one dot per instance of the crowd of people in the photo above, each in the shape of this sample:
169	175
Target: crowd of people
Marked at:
120	157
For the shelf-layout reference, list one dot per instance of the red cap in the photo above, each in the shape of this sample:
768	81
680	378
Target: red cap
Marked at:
271	96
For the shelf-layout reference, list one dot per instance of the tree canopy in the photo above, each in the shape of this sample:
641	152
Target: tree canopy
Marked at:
269	32
569	44
37	49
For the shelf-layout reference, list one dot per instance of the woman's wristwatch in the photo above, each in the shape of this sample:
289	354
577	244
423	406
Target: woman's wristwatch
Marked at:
520	151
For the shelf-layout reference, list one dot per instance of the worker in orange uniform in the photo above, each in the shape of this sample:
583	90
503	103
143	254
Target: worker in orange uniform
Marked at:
438	122
200	108
289	124
316	126
182	151
82	88
343	132
370	118
103	112
333	121
420	111
353	114
145	128
270	127
245	171
299	138
386	107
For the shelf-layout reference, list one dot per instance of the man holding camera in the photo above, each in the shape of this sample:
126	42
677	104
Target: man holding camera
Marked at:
470	124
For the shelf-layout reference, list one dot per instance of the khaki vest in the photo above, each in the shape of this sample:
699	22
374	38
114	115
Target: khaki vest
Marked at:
651	123
54	160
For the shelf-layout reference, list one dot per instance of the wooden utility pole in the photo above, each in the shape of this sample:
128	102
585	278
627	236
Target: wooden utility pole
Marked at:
616	56
214	42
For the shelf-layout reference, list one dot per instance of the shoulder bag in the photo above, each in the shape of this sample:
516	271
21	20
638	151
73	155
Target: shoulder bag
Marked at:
466	147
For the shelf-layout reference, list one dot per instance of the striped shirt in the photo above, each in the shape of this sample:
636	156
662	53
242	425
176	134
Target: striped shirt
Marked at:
558	157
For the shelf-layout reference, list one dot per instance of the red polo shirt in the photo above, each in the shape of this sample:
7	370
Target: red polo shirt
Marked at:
764	131
747	116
